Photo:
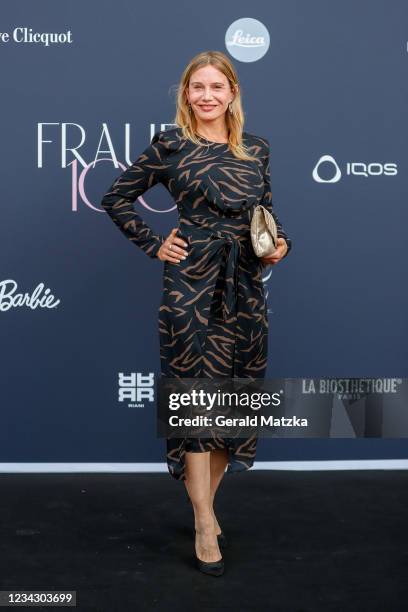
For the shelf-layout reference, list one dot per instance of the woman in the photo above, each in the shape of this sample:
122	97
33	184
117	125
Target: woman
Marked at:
213	316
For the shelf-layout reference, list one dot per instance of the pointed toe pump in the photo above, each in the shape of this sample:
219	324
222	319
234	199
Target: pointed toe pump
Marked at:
212	568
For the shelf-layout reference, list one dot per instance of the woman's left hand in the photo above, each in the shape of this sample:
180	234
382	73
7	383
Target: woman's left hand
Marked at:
280	252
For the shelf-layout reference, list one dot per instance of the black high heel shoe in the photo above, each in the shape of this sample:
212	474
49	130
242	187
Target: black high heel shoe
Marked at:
212	568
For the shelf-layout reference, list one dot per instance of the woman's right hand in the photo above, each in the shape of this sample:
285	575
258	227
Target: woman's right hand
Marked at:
171	249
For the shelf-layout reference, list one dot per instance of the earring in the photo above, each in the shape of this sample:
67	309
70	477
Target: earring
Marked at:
189	107
230	108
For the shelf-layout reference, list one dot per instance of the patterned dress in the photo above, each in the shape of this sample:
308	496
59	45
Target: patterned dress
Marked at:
213	314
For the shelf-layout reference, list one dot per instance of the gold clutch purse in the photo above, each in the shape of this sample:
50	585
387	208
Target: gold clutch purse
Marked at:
264	233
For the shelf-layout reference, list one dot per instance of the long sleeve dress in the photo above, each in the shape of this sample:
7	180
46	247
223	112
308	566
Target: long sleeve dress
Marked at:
212	318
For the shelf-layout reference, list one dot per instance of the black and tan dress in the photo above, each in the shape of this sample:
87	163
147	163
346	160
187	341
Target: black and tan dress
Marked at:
213	314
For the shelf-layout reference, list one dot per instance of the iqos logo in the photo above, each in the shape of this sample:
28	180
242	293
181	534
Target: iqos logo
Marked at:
352	168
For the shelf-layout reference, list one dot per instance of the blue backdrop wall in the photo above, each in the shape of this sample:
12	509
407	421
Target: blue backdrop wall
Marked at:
327	88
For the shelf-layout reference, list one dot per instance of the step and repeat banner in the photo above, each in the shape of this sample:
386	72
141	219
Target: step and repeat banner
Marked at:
85	86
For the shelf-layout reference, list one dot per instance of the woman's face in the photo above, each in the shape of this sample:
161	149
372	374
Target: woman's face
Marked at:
209	93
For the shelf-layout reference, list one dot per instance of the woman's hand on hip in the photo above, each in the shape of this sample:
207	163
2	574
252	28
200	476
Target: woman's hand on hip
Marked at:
172	248
281	250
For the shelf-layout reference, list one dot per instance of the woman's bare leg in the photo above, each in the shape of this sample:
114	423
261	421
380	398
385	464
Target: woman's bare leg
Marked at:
198	485
218	463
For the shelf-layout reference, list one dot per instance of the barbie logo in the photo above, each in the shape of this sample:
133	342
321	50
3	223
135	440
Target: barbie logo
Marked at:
10	298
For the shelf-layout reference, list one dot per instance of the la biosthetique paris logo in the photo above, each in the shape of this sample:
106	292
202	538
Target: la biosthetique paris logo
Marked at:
67	142
24	35
327	170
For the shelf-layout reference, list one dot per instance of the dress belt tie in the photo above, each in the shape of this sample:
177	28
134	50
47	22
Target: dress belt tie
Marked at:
230	293
229	246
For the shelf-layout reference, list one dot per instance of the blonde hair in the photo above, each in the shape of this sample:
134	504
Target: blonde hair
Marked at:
185	119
